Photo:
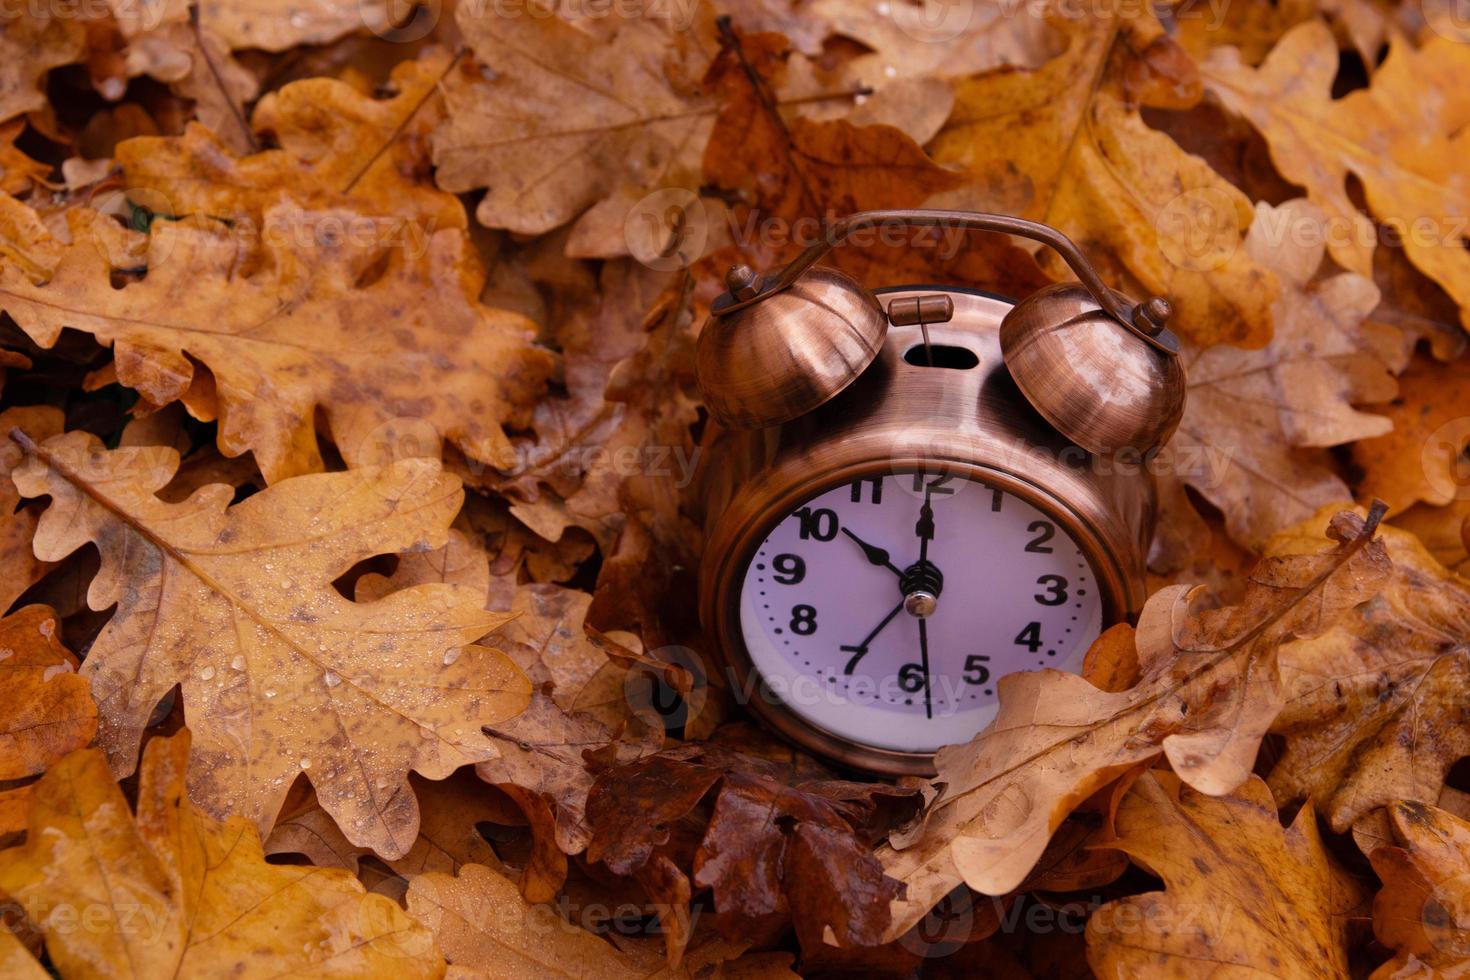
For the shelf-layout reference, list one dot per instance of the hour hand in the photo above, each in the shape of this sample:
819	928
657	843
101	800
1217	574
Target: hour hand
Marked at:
874	554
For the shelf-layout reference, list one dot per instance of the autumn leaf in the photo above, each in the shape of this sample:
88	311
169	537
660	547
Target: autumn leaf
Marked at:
1078	155
1404	148
339	149
1423	909
341	327
49	708
1208	692
555	119
487	930
1243	895
1257	423
1375	709
1421	459
281	676
18	524
171	892
771	848
32	42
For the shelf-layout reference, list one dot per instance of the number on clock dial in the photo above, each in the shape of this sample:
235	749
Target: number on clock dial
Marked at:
825	621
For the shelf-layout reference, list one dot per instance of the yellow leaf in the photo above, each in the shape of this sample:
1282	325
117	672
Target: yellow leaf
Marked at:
172	892
1406	145
281	675
1245	898
1065	144
49	710
1423	910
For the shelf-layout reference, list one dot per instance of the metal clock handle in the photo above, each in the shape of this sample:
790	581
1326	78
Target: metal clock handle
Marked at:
1147	320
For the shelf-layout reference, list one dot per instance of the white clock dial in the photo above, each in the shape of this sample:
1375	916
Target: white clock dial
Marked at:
885	610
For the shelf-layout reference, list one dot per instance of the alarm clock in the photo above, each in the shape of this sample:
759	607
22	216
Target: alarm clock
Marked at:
912	491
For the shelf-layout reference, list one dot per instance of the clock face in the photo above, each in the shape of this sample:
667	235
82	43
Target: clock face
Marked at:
885	610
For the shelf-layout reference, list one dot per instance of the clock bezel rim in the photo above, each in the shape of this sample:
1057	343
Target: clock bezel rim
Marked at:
725	593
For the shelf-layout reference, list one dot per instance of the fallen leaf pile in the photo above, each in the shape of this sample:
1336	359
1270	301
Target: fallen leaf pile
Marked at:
350	532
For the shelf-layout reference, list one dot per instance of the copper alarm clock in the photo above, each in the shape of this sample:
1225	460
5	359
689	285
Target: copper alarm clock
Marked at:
912	491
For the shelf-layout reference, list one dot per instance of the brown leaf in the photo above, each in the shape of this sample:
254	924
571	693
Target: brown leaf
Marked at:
280	674
347	326
1065	144
172	892
1257	422
1243	895
32	42
769	849
49	710
556	119
1425	901
18	524
1208	693
447	837
340	150
1421	459
488	930
1404	148
1376	708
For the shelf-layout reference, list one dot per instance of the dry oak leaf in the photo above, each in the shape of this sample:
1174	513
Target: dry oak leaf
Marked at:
172	892
488	930
18	524
393	346
1406	149
1118	187
18	172
1423	910
32	42
280	675
1244	896
1422	458
1208	692
1257	423
559	118
274	27
1376	708
338	148
447	836
48	709
771	848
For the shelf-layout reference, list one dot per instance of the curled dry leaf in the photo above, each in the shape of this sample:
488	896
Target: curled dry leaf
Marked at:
48	709
1423	911
344	324
1244	896
774	846
172	892
1257	422
1405	149
1077	154
280	674
1209	691
487	929
1376	708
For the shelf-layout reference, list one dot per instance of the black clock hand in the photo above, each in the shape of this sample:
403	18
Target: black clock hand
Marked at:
924	663
925	530
861	649
874	554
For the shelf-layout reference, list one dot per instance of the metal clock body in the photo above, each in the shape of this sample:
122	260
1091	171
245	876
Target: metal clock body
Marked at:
926	528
